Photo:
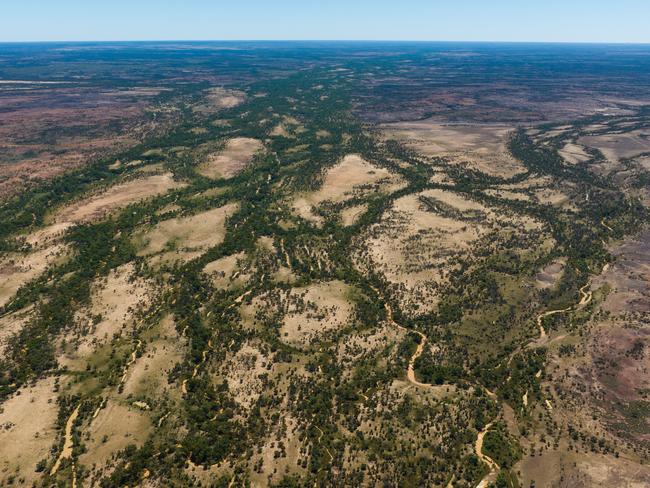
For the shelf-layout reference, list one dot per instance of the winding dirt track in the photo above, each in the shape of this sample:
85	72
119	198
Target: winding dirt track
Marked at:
585	298
494	467
410	373
540	317
602	222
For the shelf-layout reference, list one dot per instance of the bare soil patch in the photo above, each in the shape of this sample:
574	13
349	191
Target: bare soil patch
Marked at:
549	276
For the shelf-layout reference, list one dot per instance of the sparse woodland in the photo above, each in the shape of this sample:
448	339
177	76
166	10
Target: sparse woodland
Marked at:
302	323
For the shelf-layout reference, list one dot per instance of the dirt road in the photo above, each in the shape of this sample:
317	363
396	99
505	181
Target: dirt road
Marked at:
494	467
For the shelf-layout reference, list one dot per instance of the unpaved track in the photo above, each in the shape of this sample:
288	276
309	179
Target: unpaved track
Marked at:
319	439
494	467
540	317
68	445
602	222
410	373
585	298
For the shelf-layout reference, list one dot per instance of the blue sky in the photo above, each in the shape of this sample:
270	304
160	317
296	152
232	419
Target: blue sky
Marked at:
454	20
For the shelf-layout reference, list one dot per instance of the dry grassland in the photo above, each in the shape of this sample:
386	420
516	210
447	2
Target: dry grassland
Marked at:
16	269
243	371
308	313
236	155
148	375
274	468
350	215
222	271
218	99
10	325
115	299
320	308
416	247
351	177
116	426
185	238
574	153
115	198
479	147
27	431
619	146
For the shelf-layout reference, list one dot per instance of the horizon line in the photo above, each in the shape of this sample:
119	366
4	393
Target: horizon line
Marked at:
418	41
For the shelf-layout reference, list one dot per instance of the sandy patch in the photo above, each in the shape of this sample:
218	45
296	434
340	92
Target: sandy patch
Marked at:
27	430
235	156
115	198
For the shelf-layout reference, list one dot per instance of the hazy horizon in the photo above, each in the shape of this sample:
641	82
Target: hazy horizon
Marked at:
552	21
